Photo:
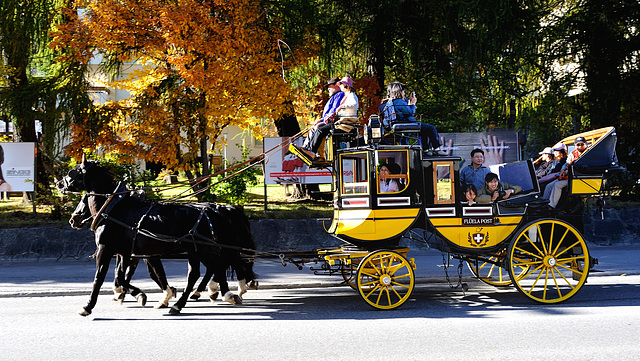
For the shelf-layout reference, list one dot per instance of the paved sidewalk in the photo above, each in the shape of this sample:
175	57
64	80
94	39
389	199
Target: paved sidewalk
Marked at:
72	277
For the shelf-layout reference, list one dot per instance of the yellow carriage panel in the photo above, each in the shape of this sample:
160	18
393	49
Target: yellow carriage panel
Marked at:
372	225
586	185
476	236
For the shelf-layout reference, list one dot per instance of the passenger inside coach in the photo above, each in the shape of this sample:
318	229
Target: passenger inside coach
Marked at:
388	184
470	192
494	190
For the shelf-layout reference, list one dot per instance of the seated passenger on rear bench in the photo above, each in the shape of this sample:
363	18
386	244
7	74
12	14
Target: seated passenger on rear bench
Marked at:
396	108
346	114
493	190
553	192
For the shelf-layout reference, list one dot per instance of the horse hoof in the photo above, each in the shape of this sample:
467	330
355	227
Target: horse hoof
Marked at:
117	293
161	304
174	310
142	299
213	297
195	296
120	298
253	285
84	312
232	299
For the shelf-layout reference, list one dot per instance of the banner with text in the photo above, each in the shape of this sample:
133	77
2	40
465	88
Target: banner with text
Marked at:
283	167
17	162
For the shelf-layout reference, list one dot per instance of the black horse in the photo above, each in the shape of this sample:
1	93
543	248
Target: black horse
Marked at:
232	229
82	215
130	226
233	225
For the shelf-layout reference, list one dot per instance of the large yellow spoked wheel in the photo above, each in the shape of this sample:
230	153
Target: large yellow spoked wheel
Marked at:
491	273
385	279
557	259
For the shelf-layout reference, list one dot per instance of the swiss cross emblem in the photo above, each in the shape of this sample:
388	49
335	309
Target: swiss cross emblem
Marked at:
478	238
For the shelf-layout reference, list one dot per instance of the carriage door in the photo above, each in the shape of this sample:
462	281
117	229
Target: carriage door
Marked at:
443	183
354	180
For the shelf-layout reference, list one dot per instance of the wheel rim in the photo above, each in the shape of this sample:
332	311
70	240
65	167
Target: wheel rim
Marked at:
557	259
491	273
385	279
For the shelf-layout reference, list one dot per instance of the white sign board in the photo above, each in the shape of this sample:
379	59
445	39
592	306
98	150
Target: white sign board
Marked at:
283	167
17	162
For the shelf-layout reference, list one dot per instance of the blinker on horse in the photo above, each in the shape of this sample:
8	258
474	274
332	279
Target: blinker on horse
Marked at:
133	226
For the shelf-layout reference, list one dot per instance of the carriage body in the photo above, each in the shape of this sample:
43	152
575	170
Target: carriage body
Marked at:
515	241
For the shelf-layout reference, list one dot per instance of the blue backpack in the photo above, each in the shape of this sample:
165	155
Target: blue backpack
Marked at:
389	115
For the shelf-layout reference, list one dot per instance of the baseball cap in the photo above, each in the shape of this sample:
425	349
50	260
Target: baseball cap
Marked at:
546	150
346	81
559	146
580	140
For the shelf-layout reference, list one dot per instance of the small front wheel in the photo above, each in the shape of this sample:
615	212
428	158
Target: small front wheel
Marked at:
490	271
556	258
385	279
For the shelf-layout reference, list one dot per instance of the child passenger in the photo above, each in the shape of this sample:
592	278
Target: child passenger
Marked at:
470	193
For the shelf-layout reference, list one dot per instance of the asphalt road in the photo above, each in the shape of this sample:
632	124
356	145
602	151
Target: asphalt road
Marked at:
298	316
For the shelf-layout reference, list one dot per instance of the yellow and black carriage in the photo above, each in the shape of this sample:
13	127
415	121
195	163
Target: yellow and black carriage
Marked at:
518	241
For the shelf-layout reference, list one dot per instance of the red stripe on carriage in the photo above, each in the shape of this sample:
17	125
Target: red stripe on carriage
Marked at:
355	202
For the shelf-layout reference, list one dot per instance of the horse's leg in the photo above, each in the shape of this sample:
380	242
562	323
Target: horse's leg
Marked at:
214	290
220	276
238	268
201	287
157	274
124	279
192	277
126	270
103	258
118	293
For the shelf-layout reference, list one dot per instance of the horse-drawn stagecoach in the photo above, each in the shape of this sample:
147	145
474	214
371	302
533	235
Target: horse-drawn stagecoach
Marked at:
516	241
519	241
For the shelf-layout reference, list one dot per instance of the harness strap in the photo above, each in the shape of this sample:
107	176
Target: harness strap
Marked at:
98	217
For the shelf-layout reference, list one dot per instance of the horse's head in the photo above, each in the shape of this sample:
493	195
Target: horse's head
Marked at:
87	176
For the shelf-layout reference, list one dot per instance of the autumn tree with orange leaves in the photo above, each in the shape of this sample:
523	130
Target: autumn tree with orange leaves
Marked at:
204	65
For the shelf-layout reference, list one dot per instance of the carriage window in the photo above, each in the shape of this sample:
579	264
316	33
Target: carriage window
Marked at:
443	182
392	171
355	173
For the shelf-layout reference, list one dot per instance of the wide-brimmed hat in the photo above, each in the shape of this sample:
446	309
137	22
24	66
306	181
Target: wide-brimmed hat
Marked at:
346	81
580	140
332	81
546	150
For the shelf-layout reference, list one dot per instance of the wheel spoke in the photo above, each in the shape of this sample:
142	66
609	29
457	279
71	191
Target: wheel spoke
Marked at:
555	251
568	248
566	280
544	246
400	285
373	290
529	253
